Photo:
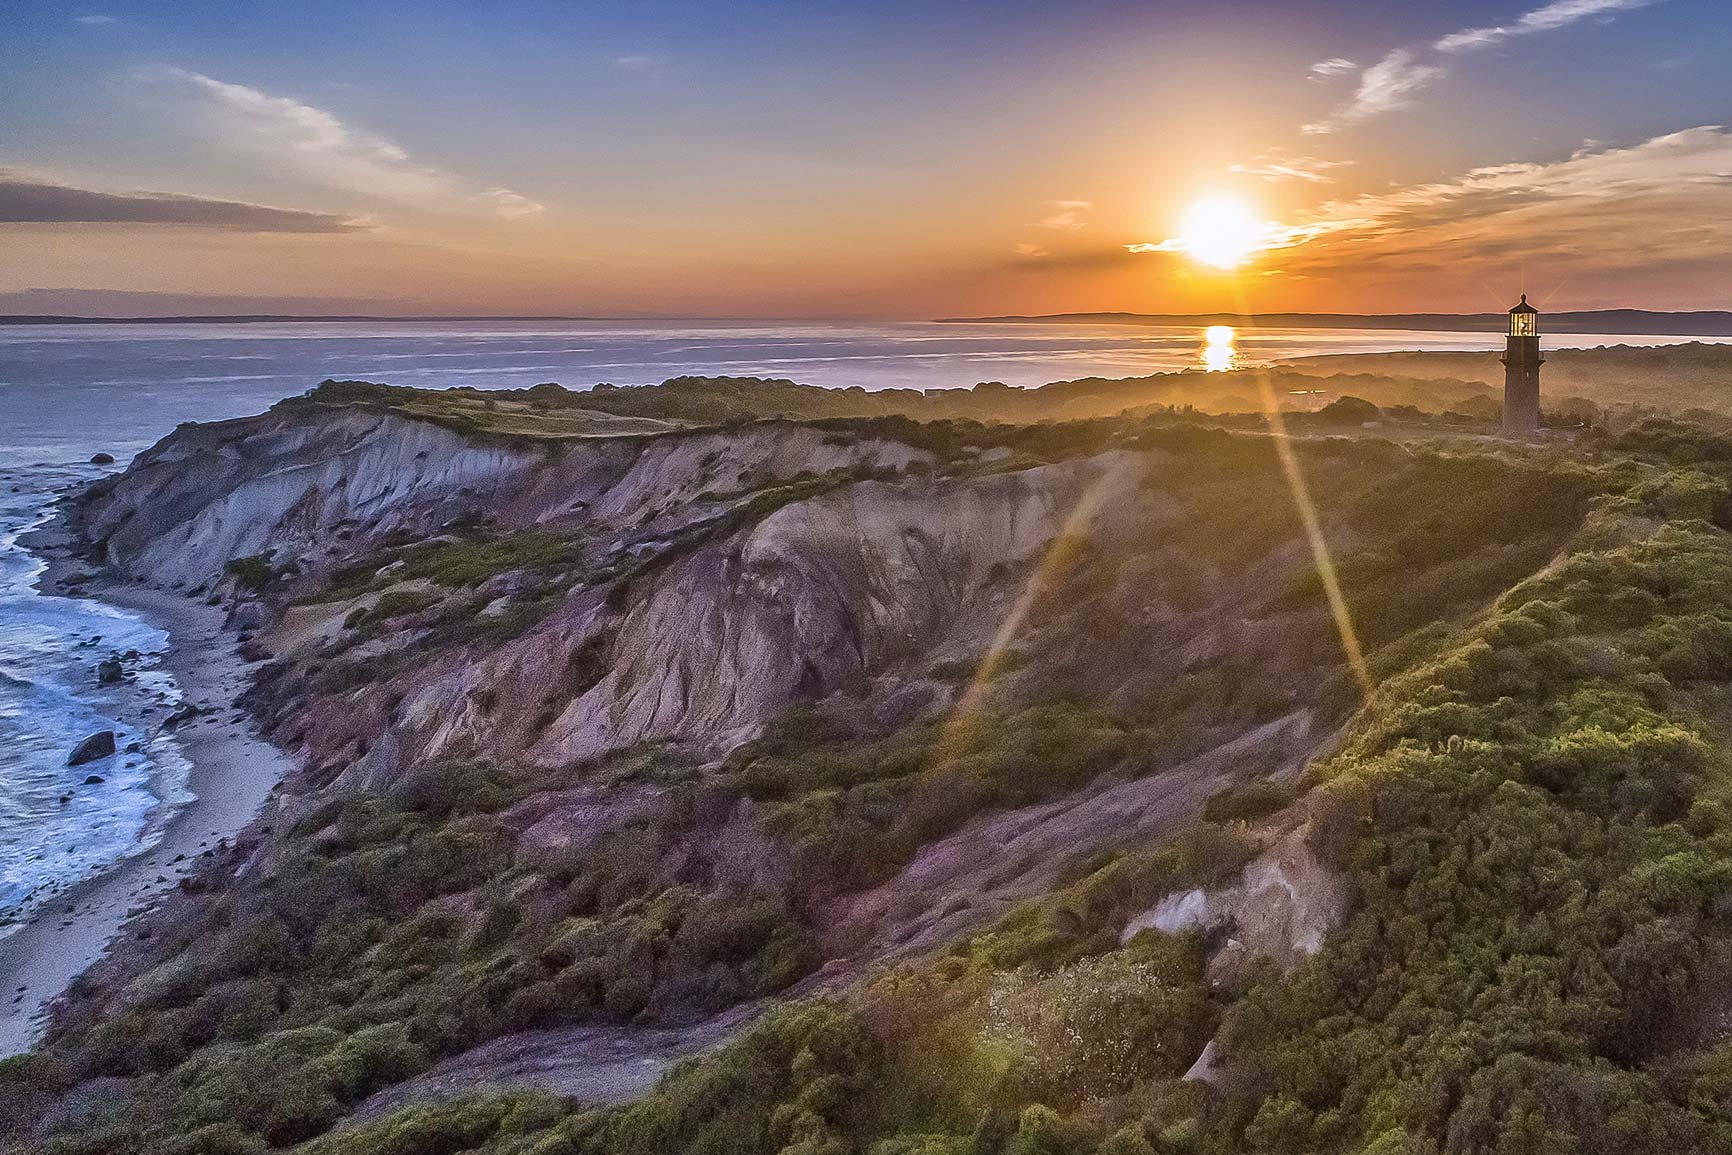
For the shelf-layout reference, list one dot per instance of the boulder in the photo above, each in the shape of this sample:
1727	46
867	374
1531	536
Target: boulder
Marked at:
185	714
99	745
102	459
108	671
249	615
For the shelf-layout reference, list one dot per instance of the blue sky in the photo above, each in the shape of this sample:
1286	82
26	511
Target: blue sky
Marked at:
870	159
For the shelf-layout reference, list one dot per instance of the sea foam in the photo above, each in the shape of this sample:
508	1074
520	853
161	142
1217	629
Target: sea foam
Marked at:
56	827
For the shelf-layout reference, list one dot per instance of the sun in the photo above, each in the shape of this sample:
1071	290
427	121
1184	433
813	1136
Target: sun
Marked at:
1222	232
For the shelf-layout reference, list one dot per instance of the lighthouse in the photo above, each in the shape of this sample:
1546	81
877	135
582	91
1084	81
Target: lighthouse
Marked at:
1521	371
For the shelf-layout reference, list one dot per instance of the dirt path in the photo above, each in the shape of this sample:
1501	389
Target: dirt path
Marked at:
612	1064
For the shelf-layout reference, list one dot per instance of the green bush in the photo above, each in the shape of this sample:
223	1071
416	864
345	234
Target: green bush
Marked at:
1250	801
1531	908
1096	1028
251	573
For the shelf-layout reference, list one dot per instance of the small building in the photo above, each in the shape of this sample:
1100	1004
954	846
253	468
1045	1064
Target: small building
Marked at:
1521	371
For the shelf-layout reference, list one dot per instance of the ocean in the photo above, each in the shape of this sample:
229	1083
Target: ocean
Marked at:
56	826
70	391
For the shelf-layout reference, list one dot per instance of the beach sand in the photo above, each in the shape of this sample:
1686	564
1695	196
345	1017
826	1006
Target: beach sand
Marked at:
232	775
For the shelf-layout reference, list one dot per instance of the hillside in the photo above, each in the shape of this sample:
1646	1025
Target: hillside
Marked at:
550	411
1623	383
961	786
1695	375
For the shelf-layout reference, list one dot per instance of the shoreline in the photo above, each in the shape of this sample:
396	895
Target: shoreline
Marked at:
231	775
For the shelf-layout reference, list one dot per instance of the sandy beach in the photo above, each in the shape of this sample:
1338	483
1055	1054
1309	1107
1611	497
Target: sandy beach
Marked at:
232	774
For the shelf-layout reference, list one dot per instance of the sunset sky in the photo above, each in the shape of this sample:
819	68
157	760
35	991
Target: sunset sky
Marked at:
885	160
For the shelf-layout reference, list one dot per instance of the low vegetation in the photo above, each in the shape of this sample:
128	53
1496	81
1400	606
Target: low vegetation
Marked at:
252	573
1627	379
463	556
1530	814
402	927
1536	826
552	412
851	813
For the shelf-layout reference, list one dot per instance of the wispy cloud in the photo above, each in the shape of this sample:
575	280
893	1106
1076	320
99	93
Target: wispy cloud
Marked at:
638	62
26	198
1069	215
1393	82
93	20
1276	165
1389	84
1271	237
1334	66
1634	207
288	134
1557	14
512	205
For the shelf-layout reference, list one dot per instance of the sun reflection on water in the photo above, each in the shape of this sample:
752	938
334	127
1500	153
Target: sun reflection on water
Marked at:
1218	351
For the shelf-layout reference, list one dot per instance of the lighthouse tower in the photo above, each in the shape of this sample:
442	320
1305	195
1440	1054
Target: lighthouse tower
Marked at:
1521	372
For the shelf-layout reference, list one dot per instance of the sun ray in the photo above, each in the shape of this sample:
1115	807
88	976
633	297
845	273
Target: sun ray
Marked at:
1321	558
972	700
1309	520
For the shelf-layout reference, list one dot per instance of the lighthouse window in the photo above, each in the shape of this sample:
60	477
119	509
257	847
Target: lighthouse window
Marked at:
1522	324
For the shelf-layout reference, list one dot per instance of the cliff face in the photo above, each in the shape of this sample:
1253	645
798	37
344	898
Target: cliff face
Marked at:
875	580
710	581
858	580
300	484
1033	749
690	587
550	602
604	735
210	493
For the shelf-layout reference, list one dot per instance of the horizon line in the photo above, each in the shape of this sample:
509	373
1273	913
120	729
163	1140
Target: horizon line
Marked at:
1003	318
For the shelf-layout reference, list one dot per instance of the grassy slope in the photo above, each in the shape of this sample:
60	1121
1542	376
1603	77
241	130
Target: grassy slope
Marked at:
1557	752
549	411
1537	828
1667	377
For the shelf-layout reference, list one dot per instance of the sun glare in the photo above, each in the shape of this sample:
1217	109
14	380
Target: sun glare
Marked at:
1218	351
1221	232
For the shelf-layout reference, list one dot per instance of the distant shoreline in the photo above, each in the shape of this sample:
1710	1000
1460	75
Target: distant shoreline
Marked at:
266	318
1632	322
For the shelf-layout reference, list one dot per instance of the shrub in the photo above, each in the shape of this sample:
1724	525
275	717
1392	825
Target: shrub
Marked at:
1249	802
251	573
1096	1028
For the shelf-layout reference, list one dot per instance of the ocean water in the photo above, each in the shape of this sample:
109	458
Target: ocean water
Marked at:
69	391
54	827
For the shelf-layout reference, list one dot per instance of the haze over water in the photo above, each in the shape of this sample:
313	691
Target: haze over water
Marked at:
71	390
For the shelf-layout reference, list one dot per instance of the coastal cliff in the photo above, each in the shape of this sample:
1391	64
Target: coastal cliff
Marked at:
618	743
702	581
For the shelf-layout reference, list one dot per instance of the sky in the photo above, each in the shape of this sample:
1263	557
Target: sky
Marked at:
888	160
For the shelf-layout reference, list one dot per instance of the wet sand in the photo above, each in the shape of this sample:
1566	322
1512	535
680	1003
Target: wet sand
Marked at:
232	774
